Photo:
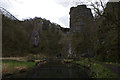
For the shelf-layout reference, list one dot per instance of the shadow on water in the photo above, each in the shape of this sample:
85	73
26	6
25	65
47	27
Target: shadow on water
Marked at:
54	69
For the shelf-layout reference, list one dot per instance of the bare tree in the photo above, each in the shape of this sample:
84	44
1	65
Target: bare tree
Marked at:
99	8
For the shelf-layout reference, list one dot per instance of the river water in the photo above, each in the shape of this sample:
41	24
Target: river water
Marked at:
54	69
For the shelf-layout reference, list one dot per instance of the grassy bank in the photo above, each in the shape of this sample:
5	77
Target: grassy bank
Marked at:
97	70
13	66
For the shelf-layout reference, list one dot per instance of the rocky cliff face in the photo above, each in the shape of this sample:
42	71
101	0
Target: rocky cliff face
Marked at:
82	29
33	36
79	17
37	31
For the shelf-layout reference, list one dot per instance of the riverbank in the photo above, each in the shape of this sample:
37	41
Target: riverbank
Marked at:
52	68
98	69
95	69
10	67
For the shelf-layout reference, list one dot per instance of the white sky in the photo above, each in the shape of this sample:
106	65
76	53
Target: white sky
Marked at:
56	11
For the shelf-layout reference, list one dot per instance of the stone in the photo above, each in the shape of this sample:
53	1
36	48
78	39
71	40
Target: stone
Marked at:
81	21
79	16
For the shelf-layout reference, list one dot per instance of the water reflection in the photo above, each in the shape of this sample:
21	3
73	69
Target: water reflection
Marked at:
54	69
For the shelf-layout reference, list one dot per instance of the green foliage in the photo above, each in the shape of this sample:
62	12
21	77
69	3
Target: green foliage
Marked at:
107	41
108	34
17	35
13	63
84	62
13	67
101	38
14	38
97	70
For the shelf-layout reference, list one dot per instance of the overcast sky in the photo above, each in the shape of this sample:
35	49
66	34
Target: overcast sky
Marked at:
56	11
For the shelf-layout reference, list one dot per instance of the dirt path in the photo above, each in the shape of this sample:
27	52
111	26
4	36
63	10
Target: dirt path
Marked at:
13	58
113	68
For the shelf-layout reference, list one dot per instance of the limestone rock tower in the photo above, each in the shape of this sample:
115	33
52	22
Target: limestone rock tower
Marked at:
82	25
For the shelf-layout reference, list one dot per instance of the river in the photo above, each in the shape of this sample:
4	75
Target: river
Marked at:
54	69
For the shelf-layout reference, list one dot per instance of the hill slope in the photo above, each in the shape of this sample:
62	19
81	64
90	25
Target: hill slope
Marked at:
19	37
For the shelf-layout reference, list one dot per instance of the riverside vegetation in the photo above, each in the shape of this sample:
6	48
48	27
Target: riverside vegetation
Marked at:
53	40
10	67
